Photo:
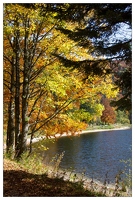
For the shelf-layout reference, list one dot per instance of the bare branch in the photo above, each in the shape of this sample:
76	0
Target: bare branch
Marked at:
7	86
39	71
7	59
5	71
7	81
35	102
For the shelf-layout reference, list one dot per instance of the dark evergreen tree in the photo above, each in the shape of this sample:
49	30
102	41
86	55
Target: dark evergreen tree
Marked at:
107	35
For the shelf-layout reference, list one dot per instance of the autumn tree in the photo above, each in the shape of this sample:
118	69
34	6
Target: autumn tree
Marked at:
66	92
108	114
41	96
24	29
29	40
101	87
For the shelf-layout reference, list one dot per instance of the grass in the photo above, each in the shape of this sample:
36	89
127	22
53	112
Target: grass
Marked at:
19	181
29	177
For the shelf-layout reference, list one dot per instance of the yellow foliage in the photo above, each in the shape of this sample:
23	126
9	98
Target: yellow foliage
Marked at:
54	89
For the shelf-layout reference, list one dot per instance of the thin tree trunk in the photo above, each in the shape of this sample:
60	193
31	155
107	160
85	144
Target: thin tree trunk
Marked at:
17	96
11	127
25	95
25	119
31	138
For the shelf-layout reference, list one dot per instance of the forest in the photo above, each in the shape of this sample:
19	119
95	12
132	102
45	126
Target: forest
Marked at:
66	66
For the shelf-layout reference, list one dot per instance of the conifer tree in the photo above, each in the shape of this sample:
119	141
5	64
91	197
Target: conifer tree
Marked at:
105	29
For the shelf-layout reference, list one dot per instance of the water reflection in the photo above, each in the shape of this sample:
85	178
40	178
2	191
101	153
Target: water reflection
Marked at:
96	153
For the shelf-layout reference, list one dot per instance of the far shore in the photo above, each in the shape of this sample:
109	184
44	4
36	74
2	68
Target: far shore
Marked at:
100	130
75	134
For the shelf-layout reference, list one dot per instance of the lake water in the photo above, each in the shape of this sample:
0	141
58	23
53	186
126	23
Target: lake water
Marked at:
97	153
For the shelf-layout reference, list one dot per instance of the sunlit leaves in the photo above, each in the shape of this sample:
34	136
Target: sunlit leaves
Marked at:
55	93
69	88
104	86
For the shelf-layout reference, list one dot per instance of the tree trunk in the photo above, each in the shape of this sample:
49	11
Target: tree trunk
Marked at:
11	127
17	96
25	95
25	119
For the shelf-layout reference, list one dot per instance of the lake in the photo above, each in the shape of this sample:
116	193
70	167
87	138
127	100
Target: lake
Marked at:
96	154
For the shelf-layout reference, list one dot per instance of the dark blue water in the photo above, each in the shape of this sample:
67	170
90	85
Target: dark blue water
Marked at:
95	153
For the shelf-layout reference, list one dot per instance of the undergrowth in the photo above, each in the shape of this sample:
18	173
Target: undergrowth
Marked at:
34	164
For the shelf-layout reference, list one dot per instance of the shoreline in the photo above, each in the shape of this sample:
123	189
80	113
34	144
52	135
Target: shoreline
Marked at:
89	183
102	130
58	135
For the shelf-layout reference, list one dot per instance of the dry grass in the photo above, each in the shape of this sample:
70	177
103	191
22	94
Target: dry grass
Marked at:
20	183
